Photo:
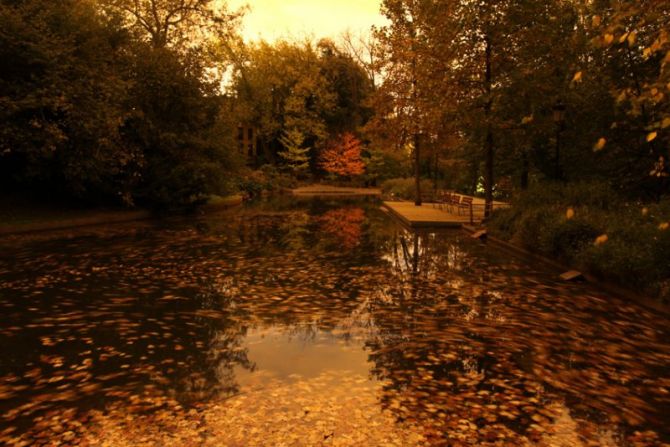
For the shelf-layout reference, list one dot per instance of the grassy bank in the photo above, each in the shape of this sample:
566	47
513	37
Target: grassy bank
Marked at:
589	227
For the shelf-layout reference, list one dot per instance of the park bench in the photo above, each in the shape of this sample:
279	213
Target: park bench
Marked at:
465	204
454	202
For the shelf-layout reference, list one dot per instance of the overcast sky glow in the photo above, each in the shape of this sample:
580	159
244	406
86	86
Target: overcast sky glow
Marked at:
273	19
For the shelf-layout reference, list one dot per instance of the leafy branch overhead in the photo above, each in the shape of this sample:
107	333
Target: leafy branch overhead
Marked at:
174	22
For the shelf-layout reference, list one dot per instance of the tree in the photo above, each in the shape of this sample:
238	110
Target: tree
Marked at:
382	165
403	85
418	56
281	86
181	127
176	22
56	135
295	155
90	113
635	36
362	48
483	74
484	27
343	156
350	86
315	89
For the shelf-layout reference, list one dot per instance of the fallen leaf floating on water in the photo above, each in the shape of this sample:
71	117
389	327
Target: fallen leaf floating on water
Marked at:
430	342
600	144
600	240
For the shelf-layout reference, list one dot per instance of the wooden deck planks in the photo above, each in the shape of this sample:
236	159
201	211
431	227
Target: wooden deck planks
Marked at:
426	215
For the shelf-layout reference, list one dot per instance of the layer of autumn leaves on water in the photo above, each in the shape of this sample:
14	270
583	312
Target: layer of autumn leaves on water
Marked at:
137	336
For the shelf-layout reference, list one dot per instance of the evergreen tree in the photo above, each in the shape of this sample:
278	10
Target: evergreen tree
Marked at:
294	154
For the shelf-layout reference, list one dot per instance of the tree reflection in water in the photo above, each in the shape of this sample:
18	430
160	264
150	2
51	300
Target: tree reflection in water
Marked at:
477	353
344	224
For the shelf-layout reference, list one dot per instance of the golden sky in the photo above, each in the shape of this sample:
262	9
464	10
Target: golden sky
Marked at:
272	19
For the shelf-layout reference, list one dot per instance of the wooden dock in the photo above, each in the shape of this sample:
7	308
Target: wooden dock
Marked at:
426	216
327	190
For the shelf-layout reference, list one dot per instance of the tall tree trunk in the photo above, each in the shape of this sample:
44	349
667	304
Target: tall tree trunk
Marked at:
474	179
415	112
417	169
488	149
435	173
525	167
415	103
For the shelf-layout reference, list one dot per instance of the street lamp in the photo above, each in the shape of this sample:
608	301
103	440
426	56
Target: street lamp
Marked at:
559	120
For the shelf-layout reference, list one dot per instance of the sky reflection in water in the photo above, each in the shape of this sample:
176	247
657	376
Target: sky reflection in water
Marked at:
315	323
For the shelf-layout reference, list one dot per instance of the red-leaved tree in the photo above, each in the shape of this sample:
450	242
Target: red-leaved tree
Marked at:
343	156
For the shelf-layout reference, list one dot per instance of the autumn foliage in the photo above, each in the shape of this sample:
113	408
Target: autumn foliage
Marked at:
343	156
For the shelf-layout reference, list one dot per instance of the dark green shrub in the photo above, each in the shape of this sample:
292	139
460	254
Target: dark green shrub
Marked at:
276	179
532	225
253	183
504	221
621	261
636	253
567	237
582	194
266	178
383	165
590	194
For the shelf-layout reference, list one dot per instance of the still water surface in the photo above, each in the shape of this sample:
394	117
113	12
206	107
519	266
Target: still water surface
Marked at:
315	323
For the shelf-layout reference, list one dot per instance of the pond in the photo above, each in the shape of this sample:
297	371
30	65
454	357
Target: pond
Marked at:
315	322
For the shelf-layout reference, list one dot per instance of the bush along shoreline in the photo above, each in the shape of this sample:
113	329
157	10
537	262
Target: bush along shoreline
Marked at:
588	227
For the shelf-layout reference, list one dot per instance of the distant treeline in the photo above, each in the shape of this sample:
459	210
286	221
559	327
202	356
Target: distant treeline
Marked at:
140	102
529	91
95	106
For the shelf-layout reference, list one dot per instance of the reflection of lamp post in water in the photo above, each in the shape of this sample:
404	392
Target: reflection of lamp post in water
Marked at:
559	120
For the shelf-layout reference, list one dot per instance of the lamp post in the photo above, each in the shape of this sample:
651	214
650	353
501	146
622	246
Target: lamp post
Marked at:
559	120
